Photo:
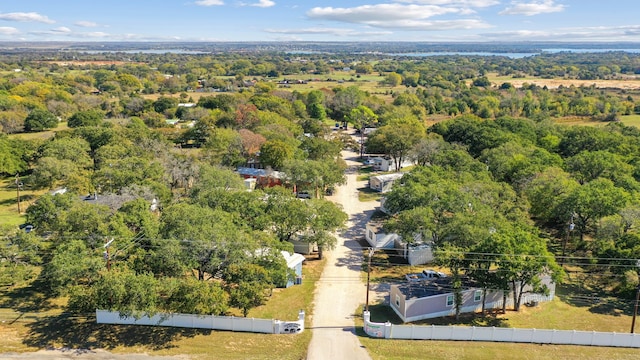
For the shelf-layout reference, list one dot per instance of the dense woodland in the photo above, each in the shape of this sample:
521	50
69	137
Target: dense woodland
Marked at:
504	191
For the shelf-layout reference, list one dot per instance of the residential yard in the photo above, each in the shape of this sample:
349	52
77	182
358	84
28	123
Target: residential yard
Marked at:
30	322
580	304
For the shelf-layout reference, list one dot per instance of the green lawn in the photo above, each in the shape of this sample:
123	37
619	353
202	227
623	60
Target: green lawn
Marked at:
631	120
9	202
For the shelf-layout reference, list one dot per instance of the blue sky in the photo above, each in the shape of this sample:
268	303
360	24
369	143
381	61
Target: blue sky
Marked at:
346	20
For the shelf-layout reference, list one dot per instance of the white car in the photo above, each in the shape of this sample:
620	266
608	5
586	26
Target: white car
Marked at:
432	274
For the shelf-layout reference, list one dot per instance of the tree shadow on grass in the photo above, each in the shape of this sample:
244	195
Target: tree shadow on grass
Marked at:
31	298
598	300
85	333
12	201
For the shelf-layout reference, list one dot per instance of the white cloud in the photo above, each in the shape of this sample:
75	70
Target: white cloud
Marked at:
85	24
532	8
26	17
328	31
367	14
61	29
6	30
397	16
264	3
209	2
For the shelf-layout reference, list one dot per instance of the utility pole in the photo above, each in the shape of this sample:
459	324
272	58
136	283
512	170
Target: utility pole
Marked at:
18	186
107	255
564	244
635	310
635	305
371	250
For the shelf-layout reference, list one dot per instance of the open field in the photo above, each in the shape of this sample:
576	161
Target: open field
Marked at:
631	120
29	322
42	135
631	83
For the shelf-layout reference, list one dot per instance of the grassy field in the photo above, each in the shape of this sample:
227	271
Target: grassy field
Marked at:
369	83
631	120
31	322
9	202
626	84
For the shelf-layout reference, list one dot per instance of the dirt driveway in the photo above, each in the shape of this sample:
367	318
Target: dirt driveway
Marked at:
341	290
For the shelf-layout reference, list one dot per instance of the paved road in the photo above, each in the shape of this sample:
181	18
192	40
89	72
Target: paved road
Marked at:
341	290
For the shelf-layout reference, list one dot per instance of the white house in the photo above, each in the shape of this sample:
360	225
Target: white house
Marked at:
384	164
418	253
294	261
377	238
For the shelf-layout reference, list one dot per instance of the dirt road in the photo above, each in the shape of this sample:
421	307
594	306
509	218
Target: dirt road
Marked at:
341	290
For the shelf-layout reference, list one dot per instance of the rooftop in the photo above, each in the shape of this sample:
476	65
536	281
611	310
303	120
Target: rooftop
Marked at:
425	288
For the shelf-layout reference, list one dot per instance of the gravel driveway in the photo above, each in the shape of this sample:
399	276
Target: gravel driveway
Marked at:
341	290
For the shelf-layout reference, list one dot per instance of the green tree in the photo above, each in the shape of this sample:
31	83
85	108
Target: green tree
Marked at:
247	286
361	117
524	260
392	79
593	201
91	117
73	264
20	255
39	120
275	153
396	139
210	240
190	296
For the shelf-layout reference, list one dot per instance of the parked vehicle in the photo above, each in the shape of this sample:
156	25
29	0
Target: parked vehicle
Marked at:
415	277
303	195
432	274
427	274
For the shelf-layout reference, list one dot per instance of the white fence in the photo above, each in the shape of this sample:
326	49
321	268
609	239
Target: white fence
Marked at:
228	323
465	333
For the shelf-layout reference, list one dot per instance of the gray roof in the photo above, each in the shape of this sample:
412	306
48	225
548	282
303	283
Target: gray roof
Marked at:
426	288
260	172
389	177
